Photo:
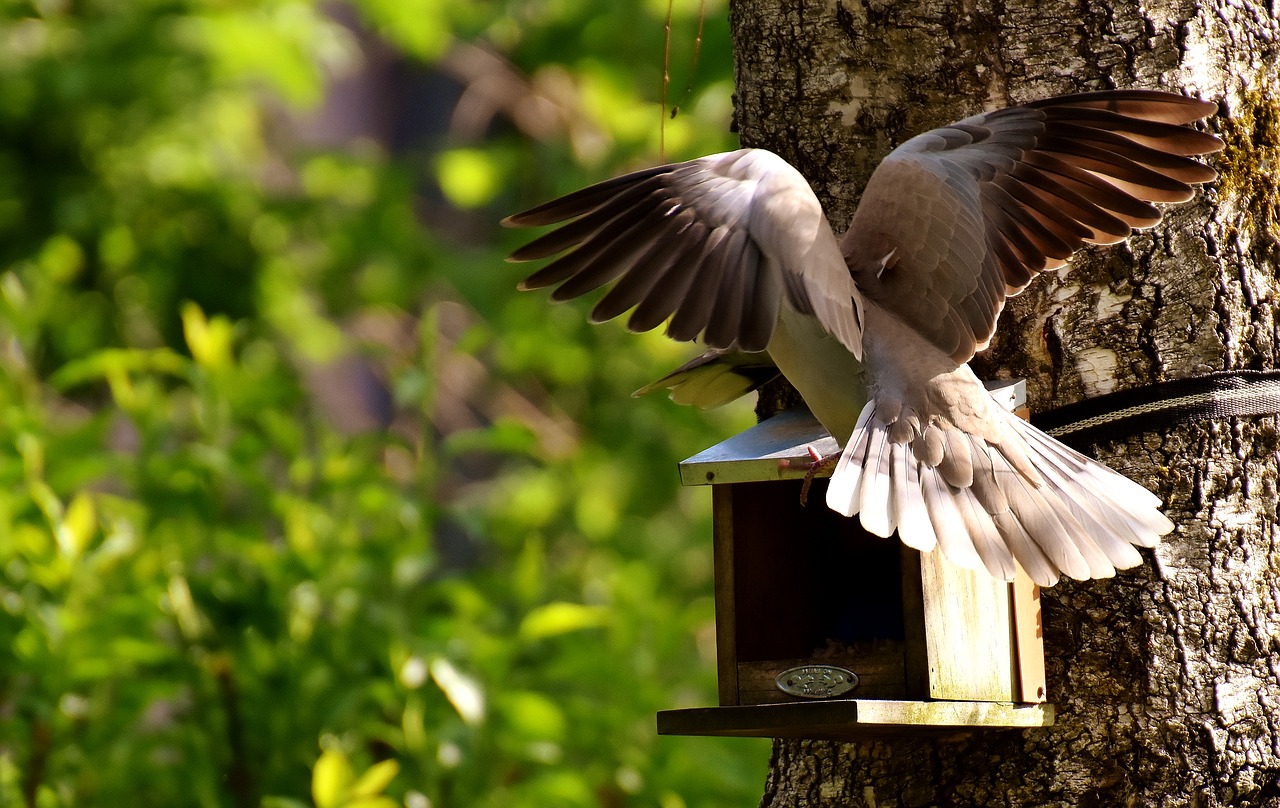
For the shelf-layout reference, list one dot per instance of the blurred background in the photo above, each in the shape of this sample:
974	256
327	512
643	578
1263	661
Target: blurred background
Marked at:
300	501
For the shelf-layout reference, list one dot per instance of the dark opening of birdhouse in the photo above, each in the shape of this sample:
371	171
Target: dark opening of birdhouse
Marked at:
821	588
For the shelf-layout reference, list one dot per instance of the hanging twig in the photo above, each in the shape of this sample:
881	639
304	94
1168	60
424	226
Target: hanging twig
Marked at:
697	51
666	72
666	80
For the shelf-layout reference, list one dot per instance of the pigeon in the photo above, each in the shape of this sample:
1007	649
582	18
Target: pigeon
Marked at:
875	328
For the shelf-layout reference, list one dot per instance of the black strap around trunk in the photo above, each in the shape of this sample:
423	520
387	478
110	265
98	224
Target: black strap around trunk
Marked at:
1152	408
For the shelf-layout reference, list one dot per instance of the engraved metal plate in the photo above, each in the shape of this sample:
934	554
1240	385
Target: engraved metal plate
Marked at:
816	681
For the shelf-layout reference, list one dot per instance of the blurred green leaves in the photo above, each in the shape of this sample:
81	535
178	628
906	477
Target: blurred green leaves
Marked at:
300	502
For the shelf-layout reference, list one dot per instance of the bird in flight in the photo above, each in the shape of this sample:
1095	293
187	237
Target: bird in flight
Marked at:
875	328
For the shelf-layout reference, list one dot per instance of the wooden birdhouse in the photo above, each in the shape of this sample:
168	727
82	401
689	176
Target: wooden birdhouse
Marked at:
826	631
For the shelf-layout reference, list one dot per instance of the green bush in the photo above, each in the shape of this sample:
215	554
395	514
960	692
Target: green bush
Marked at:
215	588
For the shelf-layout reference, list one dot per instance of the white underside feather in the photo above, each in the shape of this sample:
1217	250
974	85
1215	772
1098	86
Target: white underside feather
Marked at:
948	525
842	491
914	527
874	495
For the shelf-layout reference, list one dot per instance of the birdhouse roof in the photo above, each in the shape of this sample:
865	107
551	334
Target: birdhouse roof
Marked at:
758	454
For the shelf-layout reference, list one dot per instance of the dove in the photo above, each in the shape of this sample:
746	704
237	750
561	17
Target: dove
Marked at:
875	328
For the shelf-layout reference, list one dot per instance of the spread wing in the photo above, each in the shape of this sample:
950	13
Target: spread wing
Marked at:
713	246
958	218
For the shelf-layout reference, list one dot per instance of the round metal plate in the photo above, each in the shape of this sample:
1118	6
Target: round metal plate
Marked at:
816	681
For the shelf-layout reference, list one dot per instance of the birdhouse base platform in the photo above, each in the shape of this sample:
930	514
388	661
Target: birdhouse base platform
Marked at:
854	719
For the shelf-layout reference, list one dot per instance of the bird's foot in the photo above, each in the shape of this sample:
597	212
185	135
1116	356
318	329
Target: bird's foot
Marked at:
818	462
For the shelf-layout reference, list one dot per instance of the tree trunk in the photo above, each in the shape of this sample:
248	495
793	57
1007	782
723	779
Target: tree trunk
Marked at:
1167	677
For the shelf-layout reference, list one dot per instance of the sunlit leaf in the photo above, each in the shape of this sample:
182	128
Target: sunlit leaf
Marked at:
469	178
419	26
463	692
46	499
413	725
376	779
183	607
284	43
331	779
78	525
561	618
118	362
208	338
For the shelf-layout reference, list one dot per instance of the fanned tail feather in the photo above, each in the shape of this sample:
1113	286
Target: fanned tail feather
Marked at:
847	477
1020	497
947	521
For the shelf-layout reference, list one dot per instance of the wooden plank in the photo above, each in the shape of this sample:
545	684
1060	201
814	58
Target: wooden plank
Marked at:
968	632
954	713
853	719
1028	628
1028	638
725	594
916	651
798	719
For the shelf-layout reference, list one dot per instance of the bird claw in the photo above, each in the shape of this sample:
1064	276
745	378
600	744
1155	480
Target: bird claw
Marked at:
817	462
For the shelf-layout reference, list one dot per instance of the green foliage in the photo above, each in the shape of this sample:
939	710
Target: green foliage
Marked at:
212	592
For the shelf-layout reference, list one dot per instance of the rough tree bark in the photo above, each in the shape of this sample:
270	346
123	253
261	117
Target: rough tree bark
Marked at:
1166	678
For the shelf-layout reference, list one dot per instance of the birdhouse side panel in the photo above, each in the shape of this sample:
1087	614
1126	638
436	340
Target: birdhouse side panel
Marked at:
968	632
